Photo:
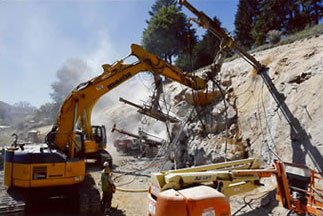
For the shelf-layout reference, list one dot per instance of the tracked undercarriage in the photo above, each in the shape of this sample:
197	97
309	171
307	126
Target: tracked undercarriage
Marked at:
81	199
100	157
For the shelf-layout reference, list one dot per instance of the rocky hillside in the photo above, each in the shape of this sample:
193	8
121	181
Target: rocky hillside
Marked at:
250	117
248	122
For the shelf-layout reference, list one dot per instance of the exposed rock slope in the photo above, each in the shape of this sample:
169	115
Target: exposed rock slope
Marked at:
254	122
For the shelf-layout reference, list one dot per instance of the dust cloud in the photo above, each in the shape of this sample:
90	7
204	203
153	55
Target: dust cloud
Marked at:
109	110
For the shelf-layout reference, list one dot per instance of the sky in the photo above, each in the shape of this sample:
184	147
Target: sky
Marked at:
38	36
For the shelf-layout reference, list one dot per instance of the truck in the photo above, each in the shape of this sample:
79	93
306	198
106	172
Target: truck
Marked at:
141	144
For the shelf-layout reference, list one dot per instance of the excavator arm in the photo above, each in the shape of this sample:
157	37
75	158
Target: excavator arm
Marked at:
79	103
207	23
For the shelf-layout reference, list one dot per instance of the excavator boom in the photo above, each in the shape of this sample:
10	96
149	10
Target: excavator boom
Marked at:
207	23
79	104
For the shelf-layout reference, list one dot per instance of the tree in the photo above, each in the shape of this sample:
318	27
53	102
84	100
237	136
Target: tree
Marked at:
286	16
207	48
317	11
25	106
272	15
159	4
203	52
295	21
185	59
47	113
311	11
244	22
166	33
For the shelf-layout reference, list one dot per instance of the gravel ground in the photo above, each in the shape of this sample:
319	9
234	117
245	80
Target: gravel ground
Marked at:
255	203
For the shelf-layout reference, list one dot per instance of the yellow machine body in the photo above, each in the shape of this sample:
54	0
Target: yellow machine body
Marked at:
61	160
41	168
91	146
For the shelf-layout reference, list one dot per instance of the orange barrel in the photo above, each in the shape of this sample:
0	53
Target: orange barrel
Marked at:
194	201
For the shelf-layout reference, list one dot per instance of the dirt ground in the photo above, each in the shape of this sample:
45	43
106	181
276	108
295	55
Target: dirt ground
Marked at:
131	173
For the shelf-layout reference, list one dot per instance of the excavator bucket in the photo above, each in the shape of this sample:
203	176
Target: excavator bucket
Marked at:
202	98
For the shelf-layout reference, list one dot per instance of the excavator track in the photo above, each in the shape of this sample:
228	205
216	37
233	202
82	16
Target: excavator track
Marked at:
89	197
20	202
11	202
101	157
105	156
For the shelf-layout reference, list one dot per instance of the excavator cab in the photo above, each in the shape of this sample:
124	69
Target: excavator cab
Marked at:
95	148
99	135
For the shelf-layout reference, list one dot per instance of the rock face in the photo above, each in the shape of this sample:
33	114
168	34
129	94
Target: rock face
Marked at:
211	131
243	119
246	121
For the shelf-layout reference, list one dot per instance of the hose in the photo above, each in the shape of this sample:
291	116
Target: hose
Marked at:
131	190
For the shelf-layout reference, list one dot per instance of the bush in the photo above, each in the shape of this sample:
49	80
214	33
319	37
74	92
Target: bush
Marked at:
274	36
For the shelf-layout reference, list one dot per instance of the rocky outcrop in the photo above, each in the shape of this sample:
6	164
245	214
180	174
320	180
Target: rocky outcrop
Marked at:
246	121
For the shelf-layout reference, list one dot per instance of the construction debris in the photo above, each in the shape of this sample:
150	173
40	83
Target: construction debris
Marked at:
148	111
141	144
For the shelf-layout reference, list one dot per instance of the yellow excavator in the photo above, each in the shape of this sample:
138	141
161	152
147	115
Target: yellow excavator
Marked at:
78	106
57	167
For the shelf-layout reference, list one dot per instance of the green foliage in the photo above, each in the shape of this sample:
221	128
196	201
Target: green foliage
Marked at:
244	22
271	16
255	18
47	113
16	116
159	4
274	36
310	32
184	61
203	52
166	34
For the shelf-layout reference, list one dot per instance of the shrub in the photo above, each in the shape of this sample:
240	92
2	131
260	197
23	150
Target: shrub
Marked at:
274	36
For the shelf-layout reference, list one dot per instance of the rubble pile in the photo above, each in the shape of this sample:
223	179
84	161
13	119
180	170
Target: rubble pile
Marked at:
211	133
